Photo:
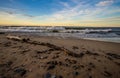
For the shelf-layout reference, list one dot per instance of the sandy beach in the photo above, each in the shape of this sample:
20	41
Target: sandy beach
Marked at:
52	57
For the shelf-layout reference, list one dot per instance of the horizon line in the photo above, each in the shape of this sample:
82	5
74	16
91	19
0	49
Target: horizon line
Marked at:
55	26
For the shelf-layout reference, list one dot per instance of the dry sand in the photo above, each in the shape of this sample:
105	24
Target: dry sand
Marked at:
50	57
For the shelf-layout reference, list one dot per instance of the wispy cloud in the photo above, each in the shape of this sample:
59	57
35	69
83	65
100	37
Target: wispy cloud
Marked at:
105	3
81	13
80	10
65	4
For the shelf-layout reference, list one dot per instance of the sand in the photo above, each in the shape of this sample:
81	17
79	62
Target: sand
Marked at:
52	57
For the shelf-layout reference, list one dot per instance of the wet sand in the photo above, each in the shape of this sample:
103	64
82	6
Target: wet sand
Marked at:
50	57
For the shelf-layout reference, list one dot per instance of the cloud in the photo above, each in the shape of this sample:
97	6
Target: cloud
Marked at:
80	13
14	12
65	4
105	3
83	13
28	15
67	13
79	10
9	12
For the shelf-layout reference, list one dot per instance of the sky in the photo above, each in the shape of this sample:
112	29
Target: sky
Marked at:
60	12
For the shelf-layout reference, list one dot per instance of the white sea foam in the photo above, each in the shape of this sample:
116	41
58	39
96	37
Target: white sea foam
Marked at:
89	33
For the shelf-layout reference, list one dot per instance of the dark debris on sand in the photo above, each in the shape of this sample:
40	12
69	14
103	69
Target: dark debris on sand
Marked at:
91	65
90	53
52	64
25	39
2	32
90	76
49	75
4	68
113	55
70	61
75	67
7	64
55	62
7	44
76	73
20	71
107	74
45	51
75	47
50	67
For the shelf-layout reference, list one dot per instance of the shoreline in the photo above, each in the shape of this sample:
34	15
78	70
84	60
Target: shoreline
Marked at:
104	39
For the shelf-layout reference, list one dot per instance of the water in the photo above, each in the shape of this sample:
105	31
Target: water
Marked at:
110	34
116	40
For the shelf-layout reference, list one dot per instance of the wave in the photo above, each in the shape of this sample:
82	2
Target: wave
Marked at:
64	32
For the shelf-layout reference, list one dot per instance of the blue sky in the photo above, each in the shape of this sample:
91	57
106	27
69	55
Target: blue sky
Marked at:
60	12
